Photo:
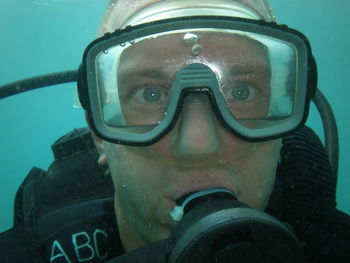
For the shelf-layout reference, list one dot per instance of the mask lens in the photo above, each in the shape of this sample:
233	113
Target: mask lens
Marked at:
257	78
260	83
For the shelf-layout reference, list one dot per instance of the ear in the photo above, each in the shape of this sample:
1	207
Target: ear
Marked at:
102	160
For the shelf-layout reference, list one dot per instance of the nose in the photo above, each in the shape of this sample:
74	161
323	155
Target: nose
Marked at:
196	133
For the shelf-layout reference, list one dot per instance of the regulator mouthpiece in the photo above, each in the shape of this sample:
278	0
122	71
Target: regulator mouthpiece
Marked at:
185	203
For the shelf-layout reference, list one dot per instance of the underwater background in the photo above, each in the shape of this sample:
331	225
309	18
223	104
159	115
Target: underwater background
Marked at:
44	36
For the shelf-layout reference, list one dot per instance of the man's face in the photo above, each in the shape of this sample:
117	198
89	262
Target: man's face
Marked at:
197	153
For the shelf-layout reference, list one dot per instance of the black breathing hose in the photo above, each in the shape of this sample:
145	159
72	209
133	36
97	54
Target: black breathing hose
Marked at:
329	123
42	81
330	129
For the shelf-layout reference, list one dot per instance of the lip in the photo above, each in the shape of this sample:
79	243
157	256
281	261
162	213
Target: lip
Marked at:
200	182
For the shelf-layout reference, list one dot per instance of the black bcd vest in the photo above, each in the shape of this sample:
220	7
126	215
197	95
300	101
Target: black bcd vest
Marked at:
66	214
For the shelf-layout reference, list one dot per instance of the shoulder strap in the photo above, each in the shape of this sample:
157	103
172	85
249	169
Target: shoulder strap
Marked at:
68	212
13	247
305	198
304	176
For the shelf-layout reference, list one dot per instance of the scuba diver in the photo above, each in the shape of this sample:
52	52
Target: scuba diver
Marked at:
196	151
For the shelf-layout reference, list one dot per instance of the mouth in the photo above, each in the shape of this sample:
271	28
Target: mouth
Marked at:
183	200
192	199
201	183
179	201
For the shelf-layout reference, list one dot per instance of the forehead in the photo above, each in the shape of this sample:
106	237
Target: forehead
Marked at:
210	42
119	11
219	51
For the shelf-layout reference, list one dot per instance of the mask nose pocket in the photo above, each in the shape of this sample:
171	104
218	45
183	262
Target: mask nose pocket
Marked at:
197	133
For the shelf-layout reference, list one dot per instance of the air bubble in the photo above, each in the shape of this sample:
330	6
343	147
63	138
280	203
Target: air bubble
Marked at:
105	51
123	44
197	50
190	38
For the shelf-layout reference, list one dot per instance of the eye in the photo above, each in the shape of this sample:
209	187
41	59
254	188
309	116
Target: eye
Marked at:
148	98
242	93
150	94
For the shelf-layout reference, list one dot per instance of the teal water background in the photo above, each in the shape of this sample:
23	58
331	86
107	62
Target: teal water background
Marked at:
44	36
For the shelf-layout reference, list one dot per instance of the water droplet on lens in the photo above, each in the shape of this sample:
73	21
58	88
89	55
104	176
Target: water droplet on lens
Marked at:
150	226
254	148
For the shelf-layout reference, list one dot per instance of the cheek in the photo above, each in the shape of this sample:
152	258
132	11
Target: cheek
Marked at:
258	174
139	202
138	181
131	175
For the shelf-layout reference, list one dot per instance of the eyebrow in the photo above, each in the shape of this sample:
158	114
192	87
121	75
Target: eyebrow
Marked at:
159	73
256	68
149	72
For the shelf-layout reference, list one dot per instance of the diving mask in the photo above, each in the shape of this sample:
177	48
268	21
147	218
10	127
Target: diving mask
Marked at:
258	76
